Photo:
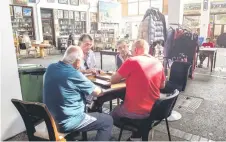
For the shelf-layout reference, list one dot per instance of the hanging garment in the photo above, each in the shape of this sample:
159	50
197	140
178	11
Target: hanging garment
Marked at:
153	27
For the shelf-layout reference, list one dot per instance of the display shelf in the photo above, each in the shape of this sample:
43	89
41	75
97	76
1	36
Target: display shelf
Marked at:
24	23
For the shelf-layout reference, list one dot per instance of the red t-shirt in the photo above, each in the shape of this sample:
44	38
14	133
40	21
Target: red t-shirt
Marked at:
144	76
210	44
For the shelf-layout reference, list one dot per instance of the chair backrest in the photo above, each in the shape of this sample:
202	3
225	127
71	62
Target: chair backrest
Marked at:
163	107
179	73
32	114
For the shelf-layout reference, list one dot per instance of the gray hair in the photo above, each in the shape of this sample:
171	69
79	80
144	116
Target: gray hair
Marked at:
72	54
120	42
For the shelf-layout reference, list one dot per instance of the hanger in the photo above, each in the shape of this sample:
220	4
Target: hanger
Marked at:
155	12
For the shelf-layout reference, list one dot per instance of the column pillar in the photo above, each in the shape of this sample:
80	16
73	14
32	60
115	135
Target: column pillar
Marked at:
175	11
205	17
11	121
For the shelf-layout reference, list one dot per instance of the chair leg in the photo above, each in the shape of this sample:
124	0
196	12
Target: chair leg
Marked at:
84	136
120	134
152	134
110	105
167	126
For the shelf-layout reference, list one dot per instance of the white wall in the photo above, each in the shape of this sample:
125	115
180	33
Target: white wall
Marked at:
11	121
175	11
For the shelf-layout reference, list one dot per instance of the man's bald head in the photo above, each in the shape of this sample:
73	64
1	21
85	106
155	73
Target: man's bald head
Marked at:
140	47
72	54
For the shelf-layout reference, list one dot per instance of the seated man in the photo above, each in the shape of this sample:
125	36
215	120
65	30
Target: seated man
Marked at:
124	53
65	90
202	56
145	77
89	62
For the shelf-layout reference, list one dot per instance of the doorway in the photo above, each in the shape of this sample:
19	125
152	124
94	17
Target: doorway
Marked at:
219	29
219	26
48	26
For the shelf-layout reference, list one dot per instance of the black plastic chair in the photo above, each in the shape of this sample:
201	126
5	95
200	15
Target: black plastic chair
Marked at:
179	73
33	115
160	111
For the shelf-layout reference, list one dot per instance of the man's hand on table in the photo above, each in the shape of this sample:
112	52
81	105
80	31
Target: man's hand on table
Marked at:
97	92
92	71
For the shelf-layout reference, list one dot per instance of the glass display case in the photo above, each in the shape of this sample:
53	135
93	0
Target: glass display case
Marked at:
22	20
70	22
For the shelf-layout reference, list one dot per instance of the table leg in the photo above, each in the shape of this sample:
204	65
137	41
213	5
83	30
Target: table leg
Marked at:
118	101
211	66
101	61
208	61
110	105
215	58
42	54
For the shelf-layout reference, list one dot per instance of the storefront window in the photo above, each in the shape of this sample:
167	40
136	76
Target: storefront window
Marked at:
211	19
192	21
132	7
217	30
143	6
220	19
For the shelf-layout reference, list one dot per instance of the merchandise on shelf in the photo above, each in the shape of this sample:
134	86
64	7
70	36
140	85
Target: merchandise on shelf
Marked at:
22	20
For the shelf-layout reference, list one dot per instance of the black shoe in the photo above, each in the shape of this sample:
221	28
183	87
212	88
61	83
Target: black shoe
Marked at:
200	66
134	139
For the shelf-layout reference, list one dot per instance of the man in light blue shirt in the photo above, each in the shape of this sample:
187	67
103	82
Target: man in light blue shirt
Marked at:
65	90
89	62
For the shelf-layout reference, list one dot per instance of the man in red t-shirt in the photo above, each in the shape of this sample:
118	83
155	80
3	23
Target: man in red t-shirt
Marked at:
145	77
202	56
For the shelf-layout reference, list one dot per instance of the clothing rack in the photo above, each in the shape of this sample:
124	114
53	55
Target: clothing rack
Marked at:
181	26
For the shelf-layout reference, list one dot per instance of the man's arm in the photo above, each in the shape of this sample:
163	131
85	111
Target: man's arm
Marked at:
92	60
162	86
123	72
116	78
163	80
97	92
87	87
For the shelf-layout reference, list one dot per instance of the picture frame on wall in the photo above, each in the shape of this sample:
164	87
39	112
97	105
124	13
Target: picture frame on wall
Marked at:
11	10
83	16
20	2
27	11
51	1
18	12
83	2
75	2
63	1
66	14
71	14
32	1
77	16
60	14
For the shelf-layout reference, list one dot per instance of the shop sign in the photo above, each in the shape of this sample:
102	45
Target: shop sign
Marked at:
217	7
20	2
192	8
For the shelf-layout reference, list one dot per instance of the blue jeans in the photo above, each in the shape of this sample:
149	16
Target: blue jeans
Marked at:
103	125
